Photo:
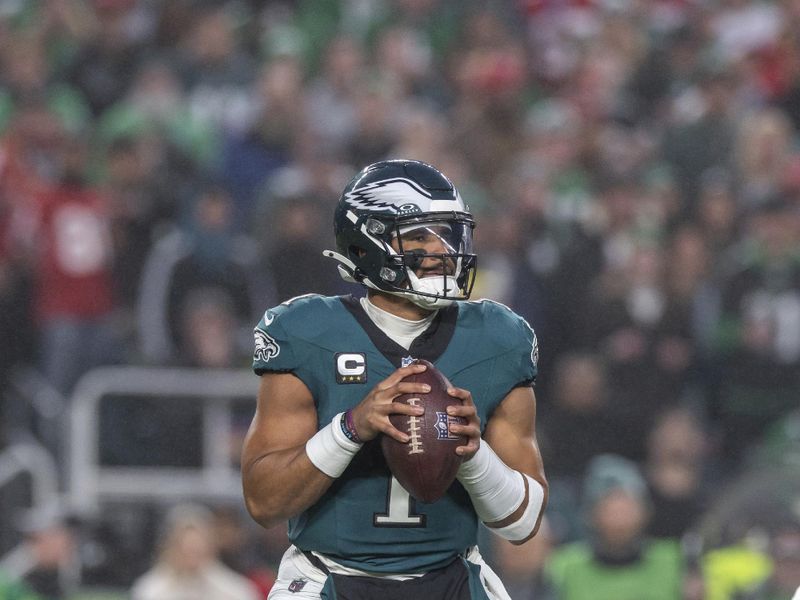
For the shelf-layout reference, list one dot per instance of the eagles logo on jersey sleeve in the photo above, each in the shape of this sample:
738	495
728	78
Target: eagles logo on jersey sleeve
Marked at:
274	351
266	346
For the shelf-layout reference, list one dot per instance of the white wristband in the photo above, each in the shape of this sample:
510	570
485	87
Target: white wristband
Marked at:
522	527
496	489
330	450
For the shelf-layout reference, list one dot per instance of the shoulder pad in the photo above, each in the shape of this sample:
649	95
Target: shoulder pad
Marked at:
297	313
282	337
507	328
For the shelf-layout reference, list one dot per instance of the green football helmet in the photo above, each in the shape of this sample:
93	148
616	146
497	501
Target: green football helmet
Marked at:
390	202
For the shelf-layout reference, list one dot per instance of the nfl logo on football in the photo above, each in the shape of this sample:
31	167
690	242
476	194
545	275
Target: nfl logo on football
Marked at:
443	427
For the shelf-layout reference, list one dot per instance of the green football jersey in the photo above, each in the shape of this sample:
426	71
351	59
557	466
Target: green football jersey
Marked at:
366	520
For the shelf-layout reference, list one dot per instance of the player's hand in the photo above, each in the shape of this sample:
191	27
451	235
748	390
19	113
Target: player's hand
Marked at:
472	429
371	416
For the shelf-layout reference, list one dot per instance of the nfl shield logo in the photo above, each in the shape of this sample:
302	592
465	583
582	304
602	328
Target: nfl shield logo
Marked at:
297	585
404	362
443	426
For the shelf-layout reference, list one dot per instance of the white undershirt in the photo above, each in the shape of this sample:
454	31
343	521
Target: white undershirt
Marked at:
402	331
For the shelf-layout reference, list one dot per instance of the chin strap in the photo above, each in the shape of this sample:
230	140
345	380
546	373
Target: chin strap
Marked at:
346	268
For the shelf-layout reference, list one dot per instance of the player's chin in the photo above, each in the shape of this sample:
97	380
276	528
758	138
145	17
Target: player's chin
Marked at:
425	274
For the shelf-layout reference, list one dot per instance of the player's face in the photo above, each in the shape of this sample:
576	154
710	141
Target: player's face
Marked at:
433	241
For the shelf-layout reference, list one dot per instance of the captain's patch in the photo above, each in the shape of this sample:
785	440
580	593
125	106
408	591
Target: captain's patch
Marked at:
351	367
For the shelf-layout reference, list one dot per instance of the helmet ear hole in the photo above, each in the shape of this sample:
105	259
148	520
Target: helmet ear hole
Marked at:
355	252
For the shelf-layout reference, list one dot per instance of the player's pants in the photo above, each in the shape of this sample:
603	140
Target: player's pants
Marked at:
298	579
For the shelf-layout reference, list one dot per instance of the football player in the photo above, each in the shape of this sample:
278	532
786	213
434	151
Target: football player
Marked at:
330	369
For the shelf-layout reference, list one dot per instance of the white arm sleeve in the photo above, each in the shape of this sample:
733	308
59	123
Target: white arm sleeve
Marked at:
497	490
522	527
330	450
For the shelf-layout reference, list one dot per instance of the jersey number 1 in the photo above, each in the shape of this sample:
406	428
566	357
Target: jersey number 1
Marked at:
398	509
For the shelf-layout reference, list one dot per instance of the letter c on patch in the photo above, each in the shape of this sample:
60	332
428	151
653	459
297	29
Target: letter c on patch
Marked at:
351	367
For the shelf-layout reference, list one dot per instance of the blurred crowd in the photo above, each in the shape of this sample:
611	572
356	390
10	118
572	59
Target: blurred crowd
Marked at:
169	169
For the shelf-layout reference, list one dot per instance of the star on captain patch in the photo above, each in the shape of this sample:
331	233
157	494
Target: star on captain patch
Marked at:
404	362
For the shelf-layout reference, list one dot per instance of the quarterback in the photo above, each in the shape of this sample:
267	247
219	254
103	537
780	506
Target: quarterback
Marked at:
330	369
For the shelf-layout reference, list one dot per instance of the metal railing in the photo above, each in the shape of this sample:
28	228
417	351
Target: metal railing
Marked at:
31	459
91	482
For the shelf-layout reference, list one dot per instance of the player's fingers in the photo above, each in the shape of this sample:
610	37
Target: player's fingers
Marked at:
388	429
401	408
401	374
468	429
469	449
367	420
464	395
462	410
408	387
405	387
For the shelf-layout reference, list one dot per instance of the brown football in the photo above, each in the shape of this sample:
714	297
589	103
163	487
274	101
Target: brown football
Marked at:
426	466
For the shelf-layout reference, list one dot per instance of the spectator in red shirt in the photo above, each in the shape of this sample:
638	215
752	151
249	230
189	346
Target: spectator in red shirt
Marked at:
73	293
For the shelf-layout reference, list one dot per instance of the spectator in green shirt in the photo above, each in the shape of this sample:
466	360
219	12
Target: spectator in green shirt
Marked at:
14	590
617	561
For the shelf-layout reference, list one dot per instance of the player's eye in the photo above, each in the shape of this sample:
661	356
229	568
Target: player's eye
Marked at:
418	237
